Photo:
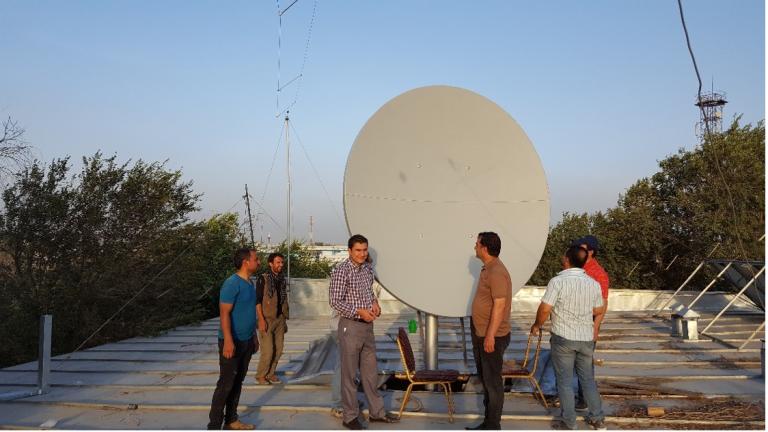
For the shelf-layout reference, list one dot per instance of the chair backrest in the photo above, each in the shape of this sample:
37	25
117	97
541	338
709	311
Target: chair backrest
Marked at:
406	352
536	354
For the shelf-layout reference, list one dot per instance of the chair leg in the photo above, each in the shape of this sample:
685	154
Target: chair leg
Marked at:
541	394
449	398
405	400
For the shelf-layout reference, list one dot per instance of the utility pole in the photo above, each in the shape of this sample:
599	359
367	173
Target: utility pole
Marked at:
250	219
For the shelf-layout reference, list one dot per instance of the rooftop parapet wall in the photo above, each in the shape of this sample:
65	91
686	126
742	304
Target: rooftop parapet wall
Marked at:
309	298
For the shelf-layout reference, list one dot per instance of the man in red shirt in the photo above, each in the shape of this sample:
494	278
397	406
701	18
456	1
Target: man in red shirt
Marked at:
598	273
595	271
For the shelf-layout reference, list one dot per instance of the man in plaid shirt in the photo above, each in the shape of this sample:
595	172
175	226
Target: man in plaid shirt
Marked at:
351	295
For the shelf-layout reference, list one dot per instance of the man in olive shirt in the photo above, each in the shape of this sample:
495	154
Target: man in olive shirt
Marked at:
490	326
272	311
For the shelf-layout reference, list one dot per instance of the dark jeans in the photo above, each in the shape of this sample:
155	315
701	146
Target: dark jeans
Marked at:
567	355
489	370
232	371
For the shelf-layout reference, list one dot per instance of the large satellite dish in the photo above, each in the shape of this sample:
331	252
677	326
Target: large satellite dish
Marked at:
431	169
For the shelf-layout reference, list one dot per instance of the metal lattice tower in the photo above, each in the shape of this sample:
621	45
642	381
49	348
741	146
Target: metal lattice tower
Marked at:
711	107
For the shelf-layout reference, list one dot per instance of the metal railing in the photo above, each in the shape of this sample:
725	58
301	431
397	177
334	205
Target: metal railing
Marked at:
43	363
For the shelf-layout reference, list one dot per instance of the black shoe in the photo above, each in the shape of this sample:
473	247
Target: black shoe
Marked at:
581	406
597	424
553	401
353	425
388	418
481	426
559	425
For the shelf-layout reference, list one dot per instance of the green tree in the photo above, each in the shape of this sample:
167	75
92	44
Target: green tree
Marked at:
560	237
80	246
664	225
304	262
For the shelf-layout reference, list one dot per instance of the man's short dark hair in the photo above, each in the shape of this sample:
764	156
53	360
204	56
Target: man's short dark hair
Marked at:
576	255
491	241
357	238
274	255
241	255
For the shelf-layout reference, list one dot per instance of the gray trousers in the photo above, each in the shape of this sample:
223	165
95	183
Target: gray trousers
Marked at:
336	378
271	342
357	347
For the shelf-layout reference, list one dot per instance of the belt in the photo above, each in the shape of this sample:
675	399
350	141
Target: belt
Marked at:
360	320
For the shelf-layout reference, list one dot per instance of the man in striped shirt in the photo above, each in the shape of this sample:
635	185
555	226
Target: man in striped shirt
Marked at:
351	295
573	298
598	273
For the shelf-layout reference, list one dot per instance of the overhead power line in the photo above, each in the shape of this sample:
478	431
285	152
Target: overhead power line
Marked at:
708	135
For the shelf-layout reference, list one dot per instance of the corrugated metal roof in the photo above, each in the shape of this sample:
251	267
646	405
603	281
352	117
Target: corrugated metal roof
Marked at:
169	379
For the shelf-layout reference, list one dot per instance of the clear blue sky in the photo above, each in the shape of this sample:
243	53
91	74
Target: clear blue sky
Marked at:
604	89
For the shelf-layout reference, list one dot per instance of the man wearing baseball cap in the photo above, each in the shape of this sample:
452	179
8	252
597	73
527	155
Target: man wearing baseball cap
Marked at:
598	273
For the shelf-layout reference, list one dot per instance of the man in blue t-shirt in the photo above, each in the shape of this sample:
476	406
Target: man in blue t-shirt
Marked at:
237	341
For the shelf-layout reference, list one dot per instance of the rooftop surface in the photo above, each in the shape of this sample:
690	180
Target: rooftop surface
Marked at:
166	382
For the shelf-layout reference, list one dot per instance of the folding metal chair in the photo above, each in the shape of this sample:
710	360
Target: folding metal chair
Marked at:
442	378
526	372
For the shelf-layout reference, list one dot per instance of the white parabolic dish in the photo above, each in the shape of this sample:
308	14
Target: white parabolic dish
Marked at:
431	169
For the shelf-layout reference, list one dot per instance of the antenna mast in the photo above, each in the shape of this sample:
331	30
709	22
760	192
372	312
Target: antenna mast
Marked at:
288	166
311	231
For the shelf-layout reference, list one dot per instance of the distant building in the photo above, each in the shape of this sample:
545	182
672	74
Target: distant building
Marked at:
333	253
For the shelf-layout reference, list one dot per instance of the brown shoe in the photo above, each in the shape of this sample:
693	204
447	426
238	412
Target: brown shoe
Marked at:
238	425
274	379
263	381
